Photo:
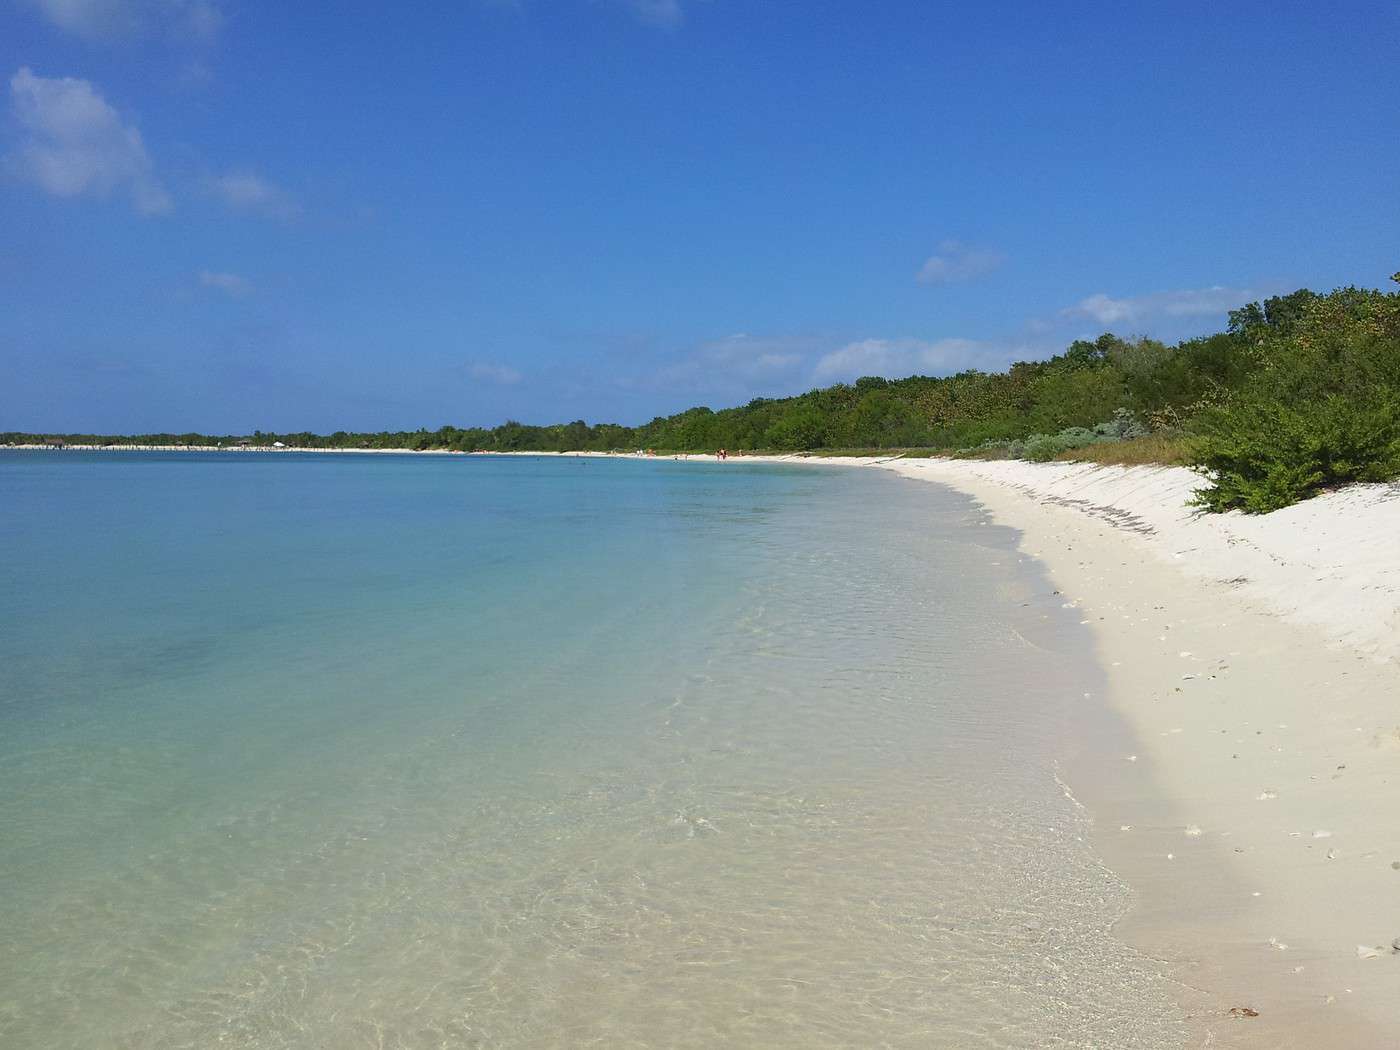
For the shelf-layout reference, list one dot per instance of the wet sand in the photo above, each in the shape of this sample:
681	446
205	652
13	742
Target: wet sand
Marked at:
1257	815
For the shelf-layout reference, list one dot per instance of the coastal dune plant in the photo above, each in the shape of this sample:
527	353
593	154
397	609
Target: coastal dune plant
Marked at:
1041	448
1261	455
1161	448
1322	408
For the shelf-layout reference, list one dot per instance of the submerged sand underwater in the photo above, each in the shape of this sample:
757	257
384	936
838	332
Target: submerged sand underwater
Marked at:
395	752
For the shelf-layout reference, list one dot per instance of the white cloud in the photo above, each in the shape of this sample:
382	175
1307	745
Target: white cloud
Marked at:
897	358
1192	302
249	192
659	14
103	21
228	283
956	261
663	14
203	21
75	143
1103	308
750	357
494	372
742	365
739	359
91	19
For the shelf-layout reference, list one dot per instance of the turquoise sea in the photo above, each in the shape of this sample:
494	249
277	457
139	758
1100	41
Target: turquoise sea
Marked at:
343	751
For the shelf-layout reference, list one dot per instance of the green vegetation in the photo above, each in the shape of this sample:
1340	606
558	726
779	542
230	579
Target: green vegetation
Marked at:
1300	393
1319	407
1162	448
1041	448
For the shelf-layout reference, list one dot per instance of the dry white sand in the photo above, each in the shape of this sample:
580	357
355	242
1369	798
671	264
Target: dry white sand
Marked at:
1257	818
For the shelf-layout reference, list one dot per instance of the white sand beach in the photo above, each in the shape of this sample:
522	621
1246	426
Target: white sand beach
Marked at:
1254	660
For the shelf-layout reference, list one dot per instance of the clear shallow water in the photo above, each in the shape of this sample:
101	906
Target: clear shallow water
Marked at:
338	751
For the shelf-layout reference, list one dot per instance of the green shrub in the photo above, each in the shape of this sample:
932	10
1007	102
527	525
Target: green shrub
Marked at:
1124	426
1263	455
1322	408
1041	448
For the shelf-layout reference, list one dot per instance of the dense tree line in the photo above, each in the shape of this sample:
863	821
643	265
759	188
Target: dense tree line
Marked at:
1299	392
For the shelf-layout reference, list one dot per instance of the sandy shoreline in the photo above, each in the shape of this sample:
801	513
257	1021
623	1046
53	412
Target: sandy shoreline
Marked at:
1256	663
1253	660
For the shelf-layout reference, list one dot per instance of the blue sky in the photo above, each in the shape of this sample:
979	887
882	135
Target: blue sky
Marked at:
225	215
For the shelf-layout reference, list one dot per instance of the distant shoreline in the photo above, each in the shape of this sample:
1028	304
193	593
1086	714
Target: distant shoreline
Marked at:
393	451
237	448
748	457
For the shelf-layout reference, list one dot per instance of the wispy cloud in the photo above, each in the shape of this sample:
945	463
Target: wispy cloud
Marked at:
228	283
203	20
108	21
659	14
956	261
741	366
75	143
663	14
494	372
246	191
1184	303
896	358
738	361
